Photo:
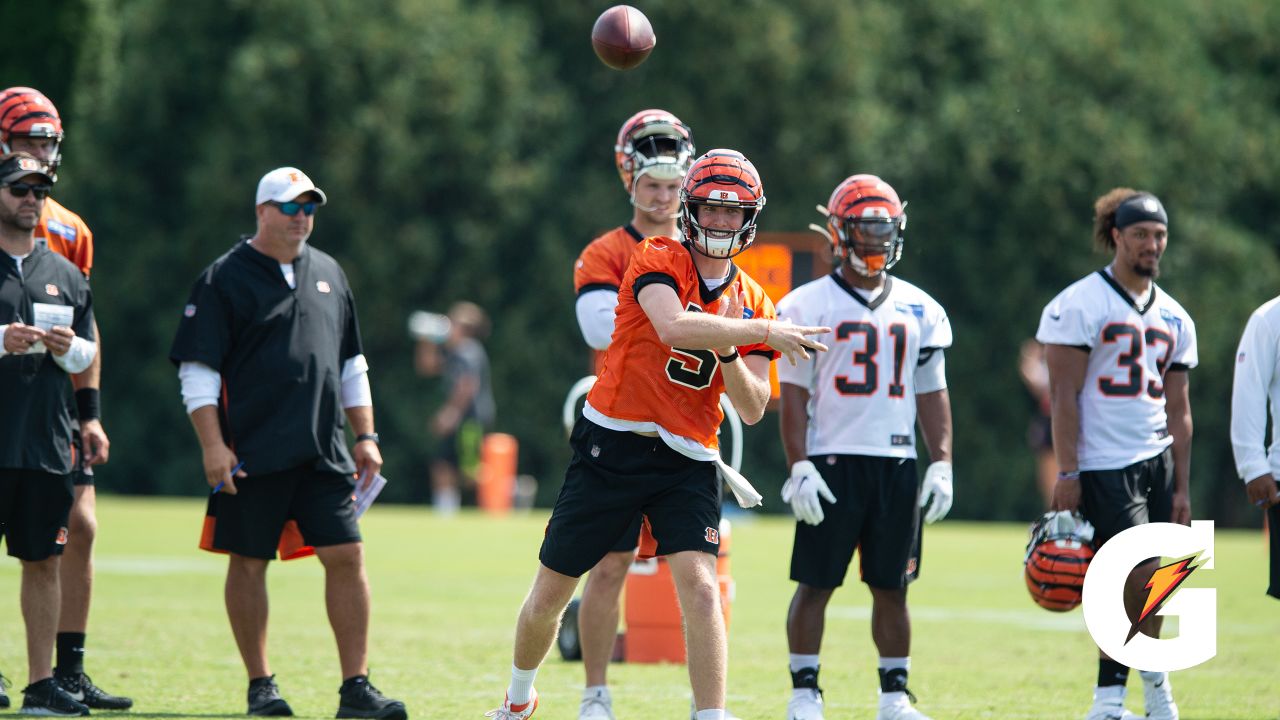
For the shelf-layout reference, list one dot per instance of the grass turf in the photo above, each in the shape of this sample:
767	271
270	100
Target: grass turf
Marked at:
446	592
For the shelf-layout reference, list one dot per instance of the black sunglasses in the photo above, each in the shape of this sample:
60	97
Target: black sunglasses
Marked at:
291	208
20	190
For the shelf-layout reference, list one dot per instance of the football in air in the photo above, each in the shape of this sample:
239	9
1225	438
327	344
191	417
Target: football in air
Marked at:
622	37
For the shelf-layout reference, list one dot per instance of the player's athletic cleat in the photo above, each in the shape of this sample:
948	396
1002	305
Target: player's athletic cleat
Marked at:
265	700
596	706
82	689
805	704
4	698
360	699
47	698
515	712
900	709
1158	694
1109	708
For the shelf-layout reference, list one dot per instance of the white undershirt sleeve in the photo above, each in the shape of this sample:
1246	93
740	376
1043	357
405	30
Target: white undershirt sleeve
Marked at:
355	383
201	385
932	375
1254	376
596	310
79	357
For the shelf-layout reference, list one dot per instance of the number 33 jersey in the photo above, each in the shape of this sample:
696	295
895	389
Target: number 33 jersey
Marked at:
1131	345
883	351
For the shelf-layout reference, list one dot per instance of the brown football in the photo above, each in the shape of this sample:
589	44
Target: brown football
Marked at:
622	37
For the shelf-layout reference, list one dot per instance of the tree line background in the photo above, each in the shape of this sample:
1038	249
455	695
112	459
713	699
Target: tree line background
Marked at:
466	148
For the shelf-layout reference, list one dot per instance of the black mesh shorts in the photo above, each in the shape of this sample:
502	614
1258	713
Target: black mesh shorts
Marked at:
1116	500
249	523
614	477
34	507
875	513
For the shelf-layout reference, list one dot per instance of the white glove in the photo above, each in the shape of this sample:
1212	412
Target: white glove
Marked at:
802	490
936	486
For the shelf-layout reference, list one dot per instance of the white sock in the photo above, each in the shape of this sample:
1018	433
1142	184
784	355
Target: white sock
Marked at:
446	500
895	663
1108	692
710	714
597	691
800	662
1151	677
521	687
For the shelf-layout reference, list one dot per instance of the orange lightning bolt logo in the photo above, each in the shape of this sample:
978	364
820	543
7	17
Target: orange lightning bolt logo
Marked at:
1163	583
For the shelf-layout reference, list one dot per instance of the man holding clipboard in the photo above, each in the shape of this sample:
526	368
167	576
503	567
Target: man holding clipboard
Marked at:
270	359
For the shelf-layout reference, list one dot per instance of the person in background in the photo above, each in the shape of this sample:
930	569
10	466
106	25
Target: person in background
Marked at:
456	351
1035	376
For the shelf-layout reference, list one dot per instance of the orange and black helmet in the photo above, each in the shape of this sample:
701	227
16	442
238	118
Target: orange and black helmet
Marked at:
1058	555
26	112
723	178
652	142
865	221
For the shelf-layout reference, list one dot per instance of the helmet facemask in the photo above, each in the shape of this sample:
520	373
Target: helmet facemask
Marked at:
713	242
870	245
662	153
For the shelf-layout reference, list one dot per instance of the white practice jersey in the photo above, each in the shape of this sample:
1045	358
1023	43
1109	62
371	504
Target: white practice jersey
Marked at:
1131	346
862	391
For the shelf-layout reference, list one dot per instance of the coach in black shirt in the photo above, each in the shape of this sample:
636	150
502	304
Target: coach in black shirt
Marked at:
270	360
47	315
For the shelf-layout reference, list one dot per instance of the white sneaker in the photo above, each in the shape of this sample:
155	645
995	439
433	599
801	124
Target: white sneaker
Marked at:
900	709
1109	708
806	704
517	712
596	706
1158	696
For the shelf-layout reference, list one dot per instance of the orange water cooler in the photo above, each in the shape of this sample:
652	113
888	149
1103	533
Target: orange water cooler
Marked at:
496	481
652	609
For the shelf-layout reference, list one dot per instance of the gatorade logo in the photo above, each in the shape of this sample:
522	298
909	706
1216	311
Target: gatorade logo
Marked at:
1195	608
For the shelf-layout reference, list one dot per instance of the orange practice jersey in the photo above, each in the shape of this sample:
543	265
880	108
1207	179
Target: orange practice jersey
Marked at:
603	262
646	381
66	234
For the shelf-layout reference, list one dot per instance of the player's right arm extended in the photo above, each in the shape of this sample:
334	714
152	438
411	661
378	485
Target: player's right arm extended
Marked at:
1066	378
680	328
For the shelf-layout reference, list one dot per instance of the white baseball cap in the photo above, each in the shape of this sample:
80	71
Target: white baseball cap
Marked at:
284	184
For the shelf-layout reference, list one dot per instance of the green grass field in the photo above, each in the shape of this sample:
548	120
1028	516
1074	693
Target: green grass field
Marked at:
446	594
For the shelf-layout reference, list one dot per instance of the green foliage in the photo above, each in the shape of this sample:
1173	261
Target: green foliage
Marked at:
466	148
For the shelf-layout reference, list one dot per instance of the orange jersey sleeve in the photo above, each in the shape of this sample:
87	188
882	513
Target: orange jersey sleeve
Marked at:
604	261
646	381
66	234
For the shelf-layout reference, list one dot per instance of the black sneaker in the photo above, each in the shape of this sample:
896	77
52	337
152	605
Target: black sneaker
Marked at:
265	700
360	699
4	697
81	689
48	698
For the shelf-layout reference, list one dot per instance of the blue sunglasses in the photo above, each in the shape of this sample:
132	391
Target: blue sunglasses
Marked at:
291	208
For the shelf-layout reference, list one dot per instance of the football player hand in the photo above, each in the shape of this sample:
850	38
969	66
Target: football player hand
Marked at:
803	489
58	340
18	338
936	487
793	341
731	304
93	442
1262	491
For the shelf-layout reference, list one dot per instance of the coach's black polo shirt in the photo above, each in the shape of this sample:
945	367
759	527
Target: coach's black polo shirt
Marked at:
35	425
280	353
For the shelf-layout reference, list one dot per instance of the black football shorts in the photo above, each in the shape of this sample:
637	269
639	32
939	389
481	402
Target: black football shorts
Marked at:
875	513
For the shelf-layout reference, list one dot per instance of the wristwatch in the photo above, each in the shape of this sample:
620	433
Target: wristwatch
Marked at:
368	436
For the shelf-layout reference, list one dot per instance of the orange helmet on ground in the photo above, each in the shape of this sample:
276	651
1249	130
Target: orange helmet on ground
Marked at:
865	222
723	178
26	112
652	141
1058	555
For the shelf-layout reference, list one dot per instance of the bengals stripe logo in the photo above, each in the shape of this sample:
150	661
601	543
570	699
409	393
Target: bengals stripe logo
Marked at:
713	536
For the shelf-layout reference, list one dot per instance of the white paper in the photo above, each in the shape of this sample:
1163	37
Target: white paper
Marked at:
45	316
364	498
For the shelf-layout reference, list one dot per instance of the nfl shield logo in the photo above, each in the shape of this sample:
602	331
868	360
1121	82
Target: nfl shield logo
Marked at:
189	311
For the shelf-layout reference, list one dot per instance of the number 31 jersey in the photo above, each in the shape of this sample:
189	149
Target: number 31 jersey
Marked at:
862	391
1131	345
